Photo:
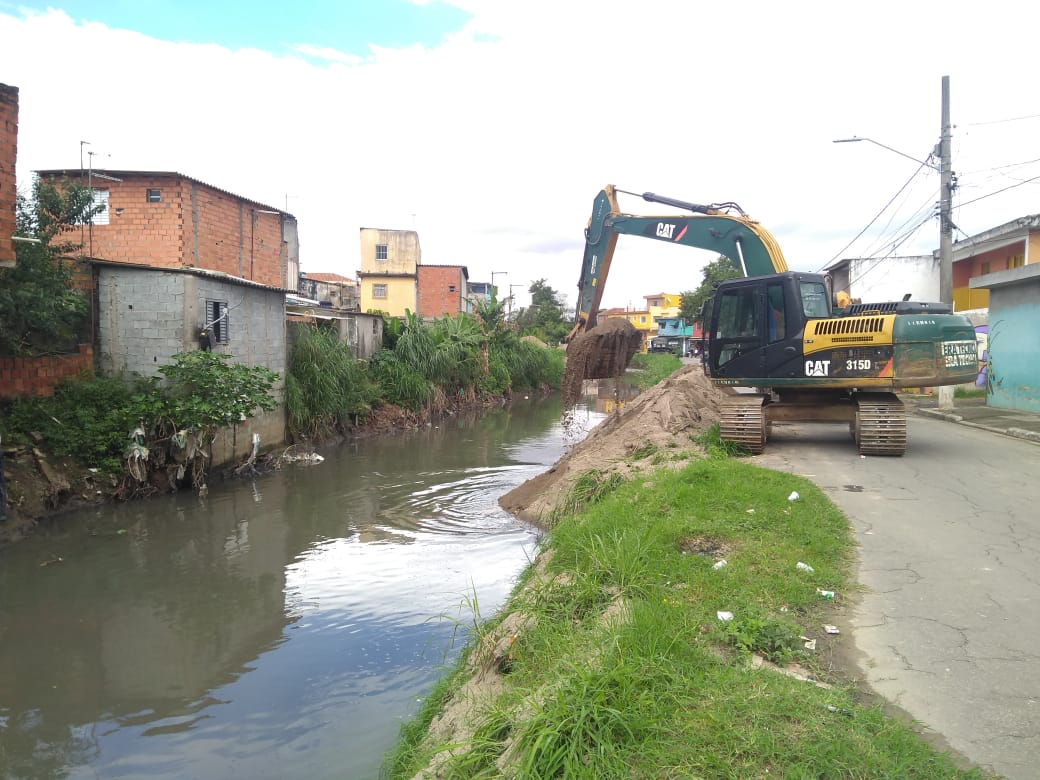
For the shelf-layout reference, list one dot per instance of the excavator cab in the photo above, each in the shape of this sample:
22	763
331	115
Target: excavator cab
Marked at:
757	324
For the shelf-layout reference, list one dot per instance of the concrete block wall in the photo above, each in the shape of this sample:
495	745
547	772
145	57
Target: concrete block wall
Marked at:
141	322
8	157
256	320
147	316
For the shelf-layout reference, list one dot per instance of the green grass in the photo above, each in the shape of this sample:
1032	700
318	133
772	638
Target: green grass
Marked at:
969	392
664	688
653	367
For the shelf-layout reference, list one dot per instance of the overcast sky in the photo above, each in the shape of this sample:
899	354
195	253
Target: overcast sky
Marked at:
489	125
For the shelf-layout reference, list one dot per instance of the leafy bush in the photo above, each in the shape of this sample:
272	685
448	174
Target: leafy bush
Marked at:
88	419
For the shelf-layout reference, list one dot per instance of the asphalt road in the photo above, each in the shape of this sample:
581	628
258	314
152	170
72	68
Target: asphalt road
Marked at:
948	624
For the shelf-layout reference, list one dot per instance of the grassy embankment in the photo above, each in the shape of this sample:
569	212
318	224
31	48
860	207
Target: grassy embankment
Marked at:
623	668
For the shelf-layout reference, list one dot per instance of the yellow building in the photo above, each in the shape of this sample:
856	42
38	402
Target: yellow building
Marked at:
640	319
389	275
663	305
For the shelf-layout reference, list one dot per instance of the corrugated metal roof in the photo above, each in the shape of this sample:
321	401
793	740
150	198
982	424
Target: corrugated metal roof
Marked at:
203	272
77	172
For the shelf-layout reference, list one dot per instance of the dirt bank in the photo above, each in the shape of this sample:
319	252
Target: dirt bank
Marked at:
667	416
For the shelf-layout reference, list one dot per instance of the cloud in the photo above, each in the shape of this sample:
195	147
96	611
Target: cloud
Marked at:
327	54
494	143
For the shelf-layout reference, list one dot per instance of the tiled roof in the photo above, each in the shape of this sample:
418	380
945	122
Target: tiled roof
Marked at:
327	277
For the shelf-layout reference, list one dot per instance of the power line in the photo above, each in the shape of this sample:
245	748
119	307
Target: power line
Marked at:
997	192
876	216
895	245
1002	121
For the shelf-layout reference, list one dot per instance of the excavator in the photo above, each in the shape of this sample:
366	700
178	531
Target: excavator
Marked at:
777	340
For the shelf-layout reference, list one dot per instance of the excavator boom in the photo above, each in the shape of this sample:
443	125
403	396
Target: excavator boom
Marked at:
709	227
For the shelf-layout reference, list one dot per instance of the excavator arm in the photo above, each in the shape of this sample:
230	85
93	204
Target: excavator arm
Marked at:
709	227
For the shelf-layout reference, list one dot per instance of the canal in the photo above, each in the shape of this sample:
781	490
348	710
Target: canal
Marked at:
281	627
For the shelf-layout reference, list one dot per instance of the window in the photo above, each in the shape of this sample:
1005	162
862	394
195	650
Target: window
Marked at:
217	321
984	269
777	321
379	291
382	252
642	319
154	196
100	198
737	331
1015	261
814	300
451	288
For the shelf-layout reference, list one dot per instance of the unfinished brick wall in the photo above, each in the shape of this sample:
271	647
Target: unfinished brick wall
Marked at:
8	156
441	290
139	231
182	224
224	233
23	377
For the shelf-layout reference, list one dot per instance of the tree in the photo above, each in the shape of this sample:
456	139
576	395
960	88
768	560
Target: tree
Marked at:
39	308
544	318
718	270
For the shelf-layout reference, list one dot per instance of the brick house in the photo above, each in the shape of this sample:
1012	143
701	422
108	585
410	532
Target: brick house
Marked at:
442	290
8	184
169	220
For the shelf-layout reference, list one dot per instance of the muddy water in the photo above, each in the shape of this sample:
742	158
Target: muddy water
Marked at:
279	628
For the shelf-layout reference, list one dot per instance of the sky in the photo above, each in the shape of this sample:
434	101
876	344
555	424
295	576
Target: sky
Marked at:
489	126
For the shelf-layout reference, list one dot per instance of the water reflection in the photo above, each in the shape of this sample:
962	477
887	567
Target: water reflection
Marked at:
280	628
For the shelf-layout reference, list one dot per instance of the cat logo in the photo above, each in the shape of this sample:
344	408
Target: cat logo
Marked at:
664	230
817	368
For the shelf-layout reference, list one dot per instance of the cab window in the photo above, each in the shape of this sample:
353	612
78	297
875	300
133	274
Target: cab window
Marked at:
814	300
776	314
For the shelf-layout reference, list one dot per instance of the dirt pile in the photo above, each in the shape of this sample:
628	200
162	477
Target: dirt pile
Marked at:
600	353
665	417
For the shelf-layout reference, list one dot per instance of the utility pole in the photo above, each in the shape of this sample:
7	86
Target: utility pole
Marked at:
945	223
946	201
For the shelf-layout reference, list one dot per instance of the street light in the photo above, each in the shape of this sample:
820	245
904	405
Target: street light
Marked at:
854	139
946	185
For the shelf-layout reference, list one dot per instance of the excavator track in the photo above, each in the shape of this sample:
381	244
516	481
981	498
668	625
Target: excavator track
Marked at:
880	424
742	420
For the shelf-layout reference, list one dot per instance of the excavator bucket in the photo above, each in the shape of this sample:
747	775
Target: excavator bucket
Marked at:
604	351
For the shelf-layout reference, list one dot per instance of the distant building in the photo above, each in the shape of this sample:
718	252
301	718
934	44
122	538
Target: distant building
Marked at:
339	292
442	289
169	220
663	304
478	292
640	319
876	279
389	276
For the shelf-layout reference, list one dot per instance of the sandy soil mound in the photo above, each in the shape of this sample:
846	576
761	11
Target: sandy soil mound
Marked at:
681	406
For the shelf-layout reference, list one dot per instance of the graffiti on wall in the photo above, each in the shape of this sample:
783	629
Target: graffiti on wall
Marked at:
982	340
